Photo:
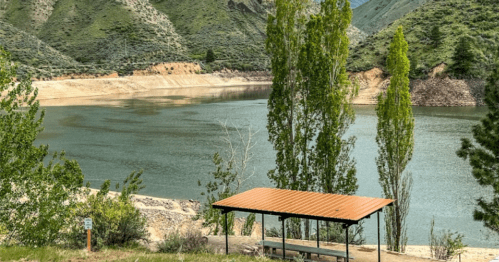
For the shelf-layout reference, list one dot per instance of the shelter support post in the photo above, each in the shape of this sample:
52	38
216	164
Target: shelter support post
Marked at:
346	233
263	226
225	212
379	247
283	238
327	235
318	235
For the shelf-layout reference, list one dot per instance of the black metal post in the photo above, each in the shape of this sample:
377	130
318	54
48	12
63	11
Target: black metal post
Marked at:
226	236
379	247
283	240
348	255
263	226
327	235
318	235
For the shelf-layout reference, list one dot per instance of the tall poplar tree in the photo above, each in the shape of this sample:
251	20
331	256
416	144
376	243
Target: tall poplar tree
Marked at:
484	159
284	40
310	103
325	102
326	52
395	139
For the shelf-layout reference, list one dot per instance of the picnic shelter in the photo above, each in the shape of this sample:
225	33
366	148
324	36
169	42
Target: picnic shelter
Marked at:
345	209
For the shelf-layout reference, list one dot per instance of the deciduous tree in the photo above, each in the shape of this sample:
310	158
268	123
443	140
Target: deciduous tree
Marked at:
35	198
284	40
395	139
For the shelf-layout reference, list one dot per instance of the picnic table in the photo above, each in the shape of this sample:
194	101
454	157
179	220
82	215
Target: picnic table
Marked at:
303	250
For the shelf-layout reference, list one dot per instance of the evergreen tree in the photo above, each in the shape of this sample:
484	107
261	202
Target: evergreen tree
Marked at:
210	56
463	58
484	159
395	139
413	60
436	36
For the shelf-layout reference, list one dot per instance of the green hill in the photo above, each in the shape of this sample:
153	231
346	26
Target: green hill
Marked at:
99	30
34	55
478	20
235	30
110	35
375	15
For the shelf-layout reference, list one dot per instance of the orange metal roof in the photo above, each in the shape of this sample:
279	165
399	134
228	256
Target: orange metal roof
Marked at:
333	207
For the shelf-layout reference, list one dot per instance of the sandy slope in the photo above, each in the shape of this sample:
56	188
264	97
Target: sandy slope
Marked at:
87	91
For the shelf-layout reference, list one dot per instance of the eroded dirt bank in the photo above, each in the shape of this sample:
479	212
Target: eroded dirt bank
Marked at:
436	90
71	90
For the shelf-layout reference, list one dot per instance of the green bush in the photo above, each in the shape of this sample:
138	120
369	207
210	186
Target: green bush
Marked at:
37	192
116	221
248	225
273	232
191	242
210	56
444	245
337	233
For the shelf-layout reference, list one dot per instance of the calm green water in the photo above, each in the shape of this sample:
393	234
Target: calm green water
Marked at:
174	146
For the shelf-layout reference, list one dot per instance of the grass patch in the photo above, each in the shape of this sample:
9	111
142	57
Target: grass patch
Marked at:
16	253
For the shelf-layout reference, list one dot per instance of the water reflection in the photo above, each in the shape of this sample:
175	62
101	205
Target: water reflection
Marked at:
147	103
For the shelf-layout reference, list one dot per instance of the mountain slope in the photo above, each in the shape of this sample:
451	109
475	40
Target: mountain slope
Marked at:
375	15
98	30
235	30
456	18
34	55
110	33
356	3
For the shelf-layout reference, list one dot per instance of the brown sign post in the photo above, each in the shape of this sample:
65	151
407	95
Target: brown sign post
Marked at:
88	227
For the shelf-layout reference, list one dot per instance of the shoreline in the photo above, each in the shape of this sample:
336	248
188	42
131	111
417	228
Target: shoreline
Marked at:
109	91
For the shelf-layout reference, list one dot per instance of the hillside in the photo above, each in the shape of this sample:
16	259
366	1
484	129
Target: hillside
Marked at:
100	36
375	15
235	30
455	18
99	30
356	3
34	55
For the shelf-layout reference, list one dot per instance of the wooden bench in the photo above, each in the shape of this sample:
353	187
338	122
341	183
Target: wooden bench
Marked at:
303	250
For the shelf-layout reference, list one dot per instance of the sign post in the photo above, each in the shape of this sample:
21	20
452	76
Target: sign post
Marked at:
88	227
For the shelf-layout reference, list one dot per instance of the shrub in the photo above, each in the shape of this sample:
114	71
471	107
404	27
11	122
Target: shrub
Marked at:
273	232
116	221
248	225
337	233
36	192
191	242
210	56
443	245
225	181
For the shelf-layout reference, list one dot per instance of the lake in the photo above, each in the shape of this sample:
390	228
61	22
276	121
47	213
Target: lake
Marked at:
173	138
